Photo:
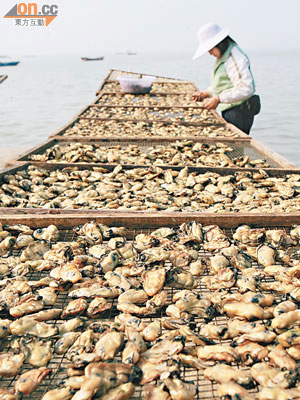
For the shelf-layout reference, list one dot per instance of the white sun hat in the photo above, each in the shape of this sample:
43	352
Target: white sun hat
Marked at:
209	36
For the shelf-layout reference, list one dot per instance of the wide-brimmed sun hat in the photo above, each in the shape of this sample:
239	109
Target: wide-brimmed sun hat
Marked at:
209	36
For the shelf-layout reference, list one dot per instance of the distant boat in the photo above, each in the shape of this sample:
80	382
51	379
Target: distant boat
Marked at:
8	63
92	59
130	53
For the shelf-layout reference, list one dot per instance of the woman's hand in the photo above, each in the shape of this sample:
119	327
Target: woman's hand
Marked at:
199	96
213	103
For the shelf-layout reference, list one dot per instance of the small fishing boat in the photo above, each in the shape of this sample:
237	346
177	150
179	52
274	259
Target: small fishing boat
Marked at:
8	63
92	59
130	53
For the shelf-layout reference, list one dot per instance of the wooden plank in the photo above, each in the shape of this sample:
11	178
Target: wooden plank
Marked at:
273	172
12	170
58	134
139	140
151	107
34	150
150	93
245	147
13	163
143	219
163	82
217	124
114	71
189	88
218	170
96	103
185	87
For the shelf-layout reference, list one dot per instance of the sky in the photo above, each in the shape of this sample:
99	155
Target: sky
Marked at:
101	26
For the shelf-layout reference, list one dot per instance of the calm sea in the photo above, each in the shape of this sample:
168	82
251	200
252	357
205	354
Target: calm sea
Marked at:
44	92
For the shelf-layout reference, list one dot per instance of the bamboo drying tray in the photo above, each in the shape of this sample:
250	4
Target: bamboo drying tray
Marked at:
154	99
59	363
114	128
66	219
167	86
219	128
113	75
253	149
159	87
196	116
174	200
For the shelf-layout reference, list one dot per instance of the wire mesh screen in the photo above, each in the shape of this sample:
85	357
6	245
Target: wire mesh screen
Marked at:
176	114
117	127
59	364
157	87
147	100
116	73
86	152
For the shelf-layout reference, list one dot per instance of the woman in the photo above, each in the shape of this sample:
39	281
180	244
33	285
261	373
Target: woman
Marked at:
232	84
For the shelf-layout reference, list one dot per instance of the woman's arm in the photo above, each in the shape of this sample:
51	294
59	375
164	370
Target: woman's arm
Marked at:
201	95
238	69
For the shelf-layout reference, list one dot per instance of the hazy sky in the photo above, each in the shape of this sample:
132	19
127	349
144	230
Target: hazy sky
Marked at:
99	26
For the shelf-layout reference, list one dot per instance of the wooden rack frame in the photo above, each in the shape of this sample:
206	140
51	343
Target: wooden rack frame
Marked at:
240	135
110	78
168	218
141	219
255	148
221	122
